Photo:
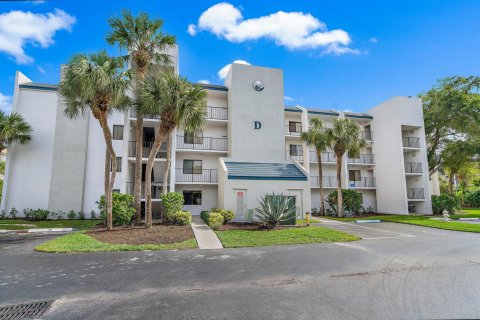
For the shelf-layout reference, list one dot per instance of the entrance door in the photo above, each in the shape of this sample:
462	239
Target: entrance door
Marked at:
297	194
240	196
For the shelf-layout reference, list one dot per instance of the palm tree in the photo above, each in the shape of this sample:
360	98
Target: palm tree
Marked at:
344	137
96	82
13	129
166	169
145	44
179	104
317	137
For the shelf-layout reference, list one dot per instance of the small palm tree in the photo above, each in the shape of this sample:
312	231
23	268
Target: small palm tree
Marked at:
344	137
317	137
145	44
96	83
179	104
13	129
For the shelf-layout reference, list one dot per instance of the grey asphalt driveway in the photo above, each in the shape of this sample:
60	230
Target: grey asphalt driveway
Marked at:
397	272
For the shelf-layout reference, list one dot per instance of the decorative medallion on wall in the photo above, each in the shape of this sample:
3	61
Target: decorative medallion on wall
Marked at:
258	85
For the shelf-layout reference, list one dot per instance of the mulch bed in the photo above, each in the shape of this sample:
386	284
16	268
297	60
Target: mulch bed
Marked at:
249	226
157	234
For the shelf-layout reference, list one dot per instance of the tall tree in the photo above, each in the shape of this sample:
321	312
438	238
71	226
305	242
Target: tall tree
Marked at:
317	137
344	137
166	169
457	156
13	129
97	83
179	104
451	111
145	44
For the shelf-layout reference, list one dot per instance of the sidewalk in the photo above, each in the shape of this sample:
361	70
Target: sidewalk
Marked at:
206	238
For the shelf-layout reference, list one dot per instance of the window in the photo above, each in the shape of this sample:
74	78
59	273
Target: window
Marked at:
119	164
117	132
192	166
193	137
192	197
294	126
354	175
144	170
116	190
296	150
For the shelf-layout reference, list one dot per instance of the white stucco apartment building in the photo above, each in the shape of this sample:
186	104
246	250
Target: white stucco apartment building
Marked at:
250	146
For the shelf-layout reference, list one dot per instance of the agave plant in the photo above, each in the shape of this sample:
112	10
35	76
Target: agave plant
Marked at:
275	208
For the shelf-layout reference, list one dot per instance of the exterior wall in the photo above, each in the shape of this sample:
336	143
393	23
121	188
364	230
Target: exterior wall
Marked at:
209	197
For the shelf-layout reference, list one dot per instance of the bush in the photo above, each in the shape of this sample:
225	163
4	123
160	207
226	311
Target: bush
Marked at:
352	201
71	215
274	209
81	215
216	210
181	217
3	215
172	203
445	201
13	213
228	215
204	215
36	215
122	208
472	199
93	215
215	220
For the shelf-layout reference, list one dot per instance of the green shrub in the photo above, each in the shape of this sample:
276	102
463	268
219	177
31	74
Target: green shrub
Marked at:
204	215
13	213
274	209
181	217
228	215
71	215
36	215
122	208
445	201
93	215
472	199
216	210
172	202
3	215
215	220
81	215
352	201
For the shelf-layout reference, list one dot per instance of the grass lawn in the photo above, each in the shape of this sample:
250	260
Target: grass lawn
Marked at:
425	221
15	224
80	242
304	221
253	238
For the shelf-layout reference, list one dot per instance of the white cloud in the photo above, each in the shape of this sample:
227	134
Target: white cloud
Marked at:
5	103
204	81
41	70
339	50
222	73
293	30
192	30
373	40
17	28
287	98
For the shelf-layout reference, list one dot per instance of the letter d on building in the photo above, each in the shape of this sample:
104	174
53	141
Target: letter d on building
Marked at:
257	124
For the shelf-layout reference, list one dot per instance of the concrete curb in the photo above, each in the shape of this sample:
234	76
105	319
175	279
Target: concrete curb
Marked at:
39	230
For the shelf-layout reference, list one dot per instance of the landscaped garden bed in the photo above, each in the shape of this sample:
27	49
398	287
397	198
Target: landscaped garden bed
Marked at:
22	224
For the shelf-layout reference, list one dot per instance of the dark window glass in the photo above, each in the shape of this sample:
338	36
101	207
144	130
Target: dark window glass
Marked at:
296	150
354	175
117	132
192	166
193	137
294	126
192	197
119	164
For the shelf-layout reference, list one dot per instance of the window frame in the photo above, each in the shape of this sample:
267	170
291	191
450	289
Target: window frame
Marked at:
193	137
119	164
192	197
298	148
115	132
295	125
355	175
193	169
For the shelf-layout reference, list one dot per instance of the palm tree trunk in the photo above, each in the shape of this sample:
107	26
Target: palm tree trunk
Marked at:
167	166
148	175
137	185
339	186
450	182
106	179
320	181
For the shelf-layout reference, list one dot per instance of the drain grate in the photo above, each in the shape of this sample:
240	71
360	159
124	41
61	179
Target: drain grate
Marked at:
24	311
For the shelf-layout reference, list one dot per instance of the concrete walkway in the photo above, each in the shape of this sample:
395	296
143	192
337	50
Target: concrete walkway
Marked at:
206	238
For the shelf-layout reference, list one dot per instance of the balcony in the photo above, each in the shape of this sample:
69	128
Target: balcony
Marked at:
147	147
183	175
133	114
326	157
411	142
365	182
362	159
217	113
156	189
202	143
298	155
327	182
413	167
415	193
293	130
367	135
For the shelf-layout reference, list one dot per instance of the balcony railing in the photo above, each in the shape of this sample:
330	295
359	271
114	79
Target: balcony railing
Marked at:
133	114
196	175
326	157
367	135
413	167
327	182
363	159
293	129
415	193
365	182
411	142
217	113
146	148
296	156
202	143
156	189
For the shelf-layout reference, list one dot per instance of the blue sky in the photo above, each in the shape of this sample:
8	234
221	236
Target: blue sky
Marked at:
348	55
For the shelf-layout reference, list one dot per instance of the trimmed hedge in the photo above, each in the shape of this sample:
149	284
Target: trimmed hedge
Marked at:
215	220
204	215
181	217
228	215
